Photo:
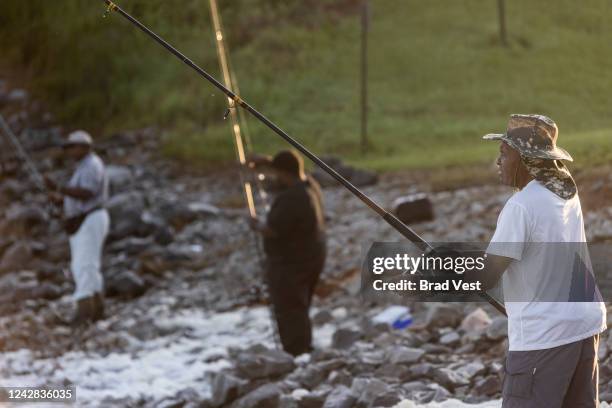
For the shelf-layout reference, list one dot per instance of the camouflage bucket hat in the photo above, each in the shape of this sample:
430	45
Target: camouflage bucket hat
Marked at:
535	138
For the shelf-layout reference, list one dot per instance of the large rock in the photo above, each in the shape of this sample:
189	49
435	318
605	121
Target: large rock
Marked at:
322	317
204	209
126	285
357	177
23	221
421	370
131	246
266	396
451	338
225	388
415	390
498	329
605	396
16	257
405	355
488	386
449	378
393	372
476	322
309	377
23	285
314	399
264	364
127	227
11	190
605	369
187	398
340	397
413	208
46	291
438	393
471	369
179	214
367	389
58	249
156	226
158	260
47	271
126	212
443	315
387	399
125	205
345	338
341	377
332	364
119	177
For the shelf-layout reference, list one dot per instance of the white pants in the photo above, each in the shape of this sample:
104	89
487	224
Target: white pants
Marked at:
86	254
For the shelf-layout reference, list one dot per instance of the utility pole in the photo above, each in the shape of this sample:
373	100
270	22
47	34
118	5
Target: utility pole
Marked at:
501	11
365	17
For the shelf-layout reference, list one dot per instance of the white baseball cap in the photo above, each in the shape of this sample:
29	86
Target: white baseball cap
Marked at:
79	137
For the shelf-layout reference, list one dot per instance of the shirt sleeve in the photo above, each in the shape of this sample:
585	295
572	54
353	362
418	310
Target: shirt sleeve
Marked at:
92	177
512	232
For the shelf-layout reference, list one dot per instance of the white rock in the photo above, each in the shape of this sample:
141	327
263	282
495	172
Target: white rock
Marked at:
476	322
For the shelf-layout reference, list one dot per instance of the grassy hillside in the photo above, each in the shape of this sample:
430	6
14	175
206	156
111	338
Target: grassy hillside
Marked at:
439	77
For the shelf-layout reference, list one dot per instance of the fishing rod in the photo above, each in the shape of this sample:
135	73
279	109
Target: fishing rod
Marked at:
232	112
39	181
392	220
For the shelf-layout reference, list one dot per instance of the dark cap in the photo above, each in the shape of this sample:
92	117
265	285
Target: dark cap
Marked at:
288	161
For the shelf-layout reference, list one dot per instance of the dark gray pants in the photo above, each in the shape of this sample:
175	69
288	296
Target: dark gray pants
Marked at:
561	377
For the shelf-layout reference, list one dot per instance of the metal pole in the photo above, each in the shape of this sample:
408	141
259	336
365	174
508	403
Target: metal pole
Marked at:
365	11
501	10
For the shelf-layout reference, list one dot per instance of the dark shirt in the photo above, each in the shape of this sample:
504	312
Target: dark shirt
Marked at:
298	222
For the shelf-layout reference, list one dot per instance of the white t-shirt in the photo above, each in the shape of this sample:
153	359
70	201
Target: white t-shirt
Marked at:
90	174
532	227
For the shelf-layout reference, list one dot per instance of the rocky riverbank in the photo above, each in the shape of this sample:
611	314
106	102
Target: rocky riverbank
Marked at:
187	324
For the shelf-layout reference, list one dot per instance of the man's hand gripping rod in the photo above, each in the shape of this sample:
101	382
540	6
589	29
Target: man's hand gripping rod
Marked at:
385	215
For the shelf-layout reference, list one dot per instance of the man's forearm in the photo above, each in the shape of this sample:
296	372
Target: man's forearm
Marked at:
77	193
489	276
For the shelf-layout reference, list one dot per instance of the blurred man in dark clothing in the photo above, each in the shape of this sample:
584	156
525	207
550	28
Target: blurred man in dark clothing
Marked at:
294	243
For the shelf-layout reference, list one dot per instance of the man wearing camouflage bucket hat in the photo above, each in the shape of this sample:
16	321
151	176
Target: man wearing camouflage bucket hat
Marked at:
534	138
552	354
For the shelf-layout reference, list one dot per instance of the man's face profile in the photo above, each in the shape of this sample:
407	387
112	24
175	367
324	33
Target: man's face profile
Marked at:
507	162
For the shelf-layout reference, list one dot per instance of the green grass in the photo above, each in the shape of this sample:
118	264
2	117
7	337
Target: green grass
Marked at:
439	78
